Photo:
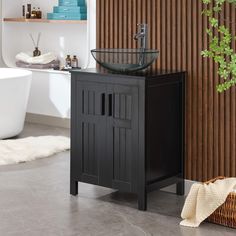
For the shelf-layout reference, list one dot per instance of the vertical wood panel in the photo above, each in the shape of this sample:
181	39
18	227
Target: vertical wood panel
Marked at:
233	110
205	106
135	22
156	38
199	91
227	114
111	20
168	33
194	85
176	28
191	160
129	26
164	46
116	24
221	127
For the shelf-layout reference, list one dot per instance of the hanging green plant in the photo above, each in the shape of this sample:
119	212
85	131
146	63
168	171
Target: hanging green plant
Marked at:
220	44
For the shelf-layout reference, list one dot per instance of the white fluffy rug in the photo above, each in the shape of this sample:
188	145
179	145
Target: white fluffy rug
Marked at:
31	148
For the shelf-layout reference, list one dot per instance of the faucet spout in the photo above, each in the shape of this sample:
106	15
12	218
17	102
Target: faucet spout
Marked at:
138	36
142	37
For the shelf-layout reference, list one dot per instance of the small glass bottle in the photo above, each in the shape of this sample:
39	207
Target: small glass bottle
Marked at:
74	62
38	13
23	11
28	14
36	52
68	61
34	13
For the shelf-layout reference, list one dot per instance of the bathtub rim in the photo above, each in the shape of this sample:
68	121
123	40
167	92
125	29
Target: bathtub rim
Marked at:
14	74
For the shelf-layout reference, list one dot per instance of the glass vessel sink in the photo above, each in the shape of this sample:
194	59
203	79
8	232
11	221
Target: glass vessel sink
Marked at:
125	60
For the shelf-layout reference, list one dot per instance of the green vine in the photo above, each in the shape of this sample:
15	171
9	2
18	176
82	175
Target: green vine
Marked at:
220	44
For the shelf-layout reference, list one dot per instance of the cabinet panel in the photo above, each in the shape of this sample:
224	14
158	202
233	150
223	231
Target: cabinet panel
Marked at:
91	126
89	162
92	99
122	151
123	136
164	131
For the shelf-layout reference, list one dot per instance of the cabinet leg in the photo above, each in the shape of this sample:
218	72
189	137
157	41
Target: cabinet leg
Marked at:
180	188
73	187
142	201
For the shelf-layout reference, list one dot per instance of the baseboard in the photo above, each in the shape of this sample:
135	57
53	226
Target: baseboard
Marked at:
172	188
48	120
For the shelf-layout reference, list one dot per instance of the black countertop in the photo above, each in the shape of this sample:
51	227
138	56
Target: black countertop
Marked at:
146	74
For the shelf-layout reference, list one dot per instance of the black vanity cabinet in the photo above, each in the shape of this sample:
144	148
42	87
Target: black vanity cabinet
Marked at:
127	131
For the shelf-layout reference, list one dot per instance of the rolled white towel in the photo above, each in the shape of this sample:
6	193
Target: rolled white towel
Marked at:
43	59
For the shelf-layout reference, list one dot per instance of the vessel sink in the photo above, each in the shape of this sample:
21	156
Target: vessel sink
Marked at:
125	60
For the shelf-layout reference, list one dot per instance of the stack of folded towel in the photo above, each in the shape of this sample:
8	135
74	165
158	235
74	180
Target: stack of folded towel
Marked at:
45	61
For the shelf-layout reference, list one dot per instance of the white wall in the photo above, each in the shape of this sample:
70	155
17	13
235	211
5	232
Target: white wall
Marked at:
61	39
1	61
50	92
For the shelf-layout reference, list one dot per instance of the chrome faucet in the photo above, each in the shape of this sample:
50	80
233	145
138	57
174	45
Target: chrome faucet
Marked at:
142	36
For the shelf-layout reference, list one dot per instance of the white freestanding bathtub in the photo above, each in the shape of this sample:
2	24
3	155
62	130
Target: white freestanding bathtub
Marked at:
14	94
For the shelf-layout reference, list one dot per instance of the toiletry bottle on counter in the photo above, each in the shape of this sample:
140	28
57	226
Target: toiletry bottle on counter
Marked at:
28	14
68	61
23	11
38	13
74	62
34	13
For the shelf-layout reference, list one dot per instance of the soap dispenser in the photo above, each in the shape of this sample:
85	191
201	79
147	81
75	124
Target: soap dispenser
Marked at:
74	62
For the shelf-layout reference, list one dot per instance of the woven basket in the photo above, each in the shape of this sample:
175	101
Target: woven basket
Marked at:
226	213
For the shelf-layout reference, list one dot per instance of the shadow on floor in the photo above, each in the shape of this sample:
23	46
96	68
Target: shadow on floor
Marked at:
160	202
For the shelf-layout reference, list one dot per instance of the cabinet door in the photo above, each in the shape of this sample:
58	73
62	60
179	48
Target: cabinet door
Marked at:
89	139
122	137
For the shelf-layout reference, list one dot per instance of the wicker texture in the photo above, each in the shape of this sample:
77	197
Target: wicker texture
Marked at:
226	213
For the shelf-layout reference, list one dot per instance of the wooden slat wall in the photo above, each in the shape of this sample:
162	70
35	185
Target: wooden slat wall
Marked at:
177	30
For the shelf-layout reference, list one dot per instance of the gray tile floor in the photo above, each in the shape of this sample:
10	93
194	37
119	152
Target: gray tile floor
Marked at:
35	200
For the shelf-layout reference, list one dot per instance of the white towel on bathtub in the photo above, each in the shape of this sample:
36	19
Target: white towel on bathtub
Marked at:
43	59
